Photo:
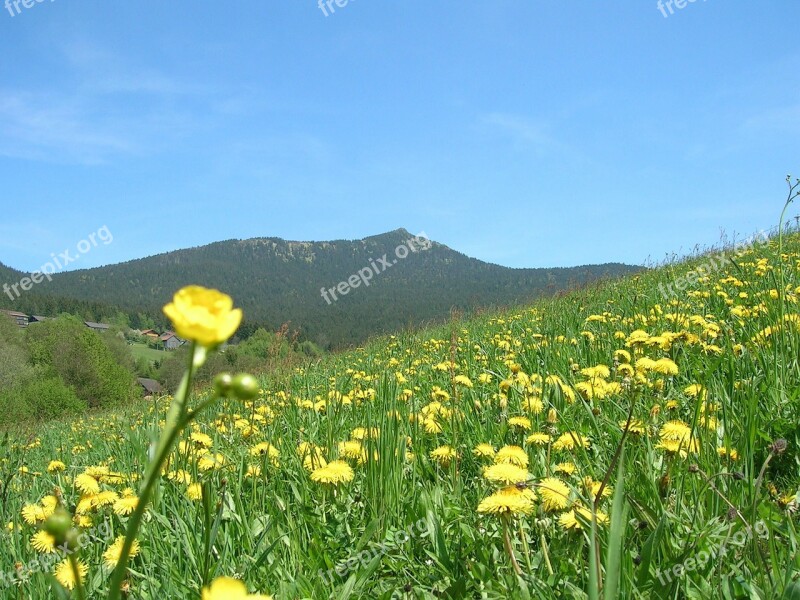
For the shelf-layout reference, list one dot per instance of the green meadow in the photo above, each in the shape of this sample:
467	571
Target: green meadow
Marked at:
633	439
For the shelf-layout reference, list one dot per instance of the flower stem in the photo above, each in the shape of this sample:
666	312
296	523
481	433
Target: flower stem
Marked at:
509	549
177	419
76	575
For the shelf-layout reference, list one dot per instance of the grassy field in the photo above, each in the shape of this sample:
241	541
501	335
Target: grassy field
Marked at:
144	351
637	439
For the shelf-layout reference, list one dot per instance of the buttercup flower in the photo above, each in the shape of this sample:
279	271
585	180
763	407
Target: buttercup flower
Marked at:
203	315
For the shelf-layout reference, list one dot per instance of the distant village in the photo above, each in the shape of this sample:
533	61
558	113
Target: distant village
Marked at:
167	340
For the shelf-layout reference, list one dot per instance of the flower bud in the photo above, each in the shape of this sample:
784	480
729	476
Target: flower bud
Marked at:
245	386
222	384
59	524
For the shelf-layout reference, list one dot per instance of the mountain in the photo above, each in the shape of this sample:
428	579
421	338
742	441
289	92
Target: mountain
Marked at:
404	281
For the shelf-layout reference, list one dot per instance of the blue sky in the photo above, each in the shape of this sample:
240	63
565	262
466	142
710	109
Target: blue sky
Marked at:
526	133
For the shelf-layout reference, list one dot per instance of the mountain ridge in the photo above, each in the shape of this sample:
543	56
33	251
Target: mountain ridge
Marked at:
277	280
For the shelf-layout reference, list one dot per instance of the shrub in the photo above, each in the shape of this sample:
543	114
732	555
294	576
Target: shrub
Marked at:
39	398
82	359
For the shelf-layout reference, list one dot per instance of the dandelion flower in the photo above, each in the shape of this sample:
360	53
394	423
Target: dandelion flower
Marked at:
267	449
567	468
43	542
665	366
113	552
509	500
66	576
194	492
443	455
636	426
334	473
513	455
86	484
523	423
538	438
569	520
592	487
105	498
202	439
731	453
32	514
56	466
225	588
125	506
210	461
484	451
462	380
554	494
570	440
506	473
180	476
351	449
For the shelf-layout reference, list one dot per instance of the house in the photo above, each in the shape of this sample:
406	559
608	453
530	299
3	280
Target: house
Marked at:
150	386
150	333
101	327
37	319
170	340
19	318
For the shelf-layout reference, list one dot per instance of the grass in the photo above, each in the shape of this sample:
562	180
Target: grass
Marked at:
144	351
686	488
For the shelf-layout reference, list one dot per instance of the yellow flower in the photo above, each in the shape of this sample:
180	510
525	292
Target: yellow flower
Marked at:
554	493
675	430
538	438
509	500
462	380
55	466
211	461
194	492
593	487
636	426
732	453
66	577
569	520
665	366
32	514
567	468
352	450
484	451
125	506
87	484
267	449
105	498
43	542
180	476
202	439
520	422
505	473
569	440
513	455
225	588
203	315
443	455
334	473
111	555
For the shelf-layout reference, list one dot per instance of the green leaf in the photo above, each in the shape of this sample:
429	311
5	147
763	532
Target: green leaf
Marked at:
617	535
